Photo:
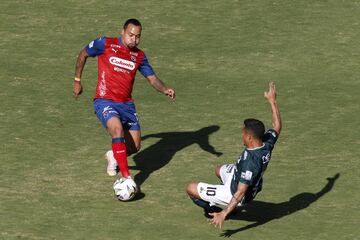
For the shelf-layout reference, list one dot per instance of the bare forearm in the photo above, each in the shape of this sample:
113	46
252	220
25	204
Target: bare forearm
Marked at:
157	84
234	202
80	63
276	118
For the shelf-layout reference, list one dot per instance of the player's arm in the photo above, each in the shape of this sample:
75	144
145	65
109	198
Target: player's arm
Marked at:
219	218
270	95
148	72
160	86
93	49
80	63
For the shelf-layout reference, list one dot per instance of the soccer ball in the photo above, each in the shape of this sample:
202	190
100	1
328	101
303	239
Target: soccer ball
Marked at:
125	189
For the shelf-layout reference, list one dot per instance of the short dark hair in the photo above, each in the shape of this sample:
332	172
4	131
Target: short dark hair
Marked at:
255	127
132	21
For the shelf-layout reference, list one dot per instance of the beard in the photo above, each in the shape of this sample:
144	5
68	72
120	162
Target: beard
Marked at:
132	45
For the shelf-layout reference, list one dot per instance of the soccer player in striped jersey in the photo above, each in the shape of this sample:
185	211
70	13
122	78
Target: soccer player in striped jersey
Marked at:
119	59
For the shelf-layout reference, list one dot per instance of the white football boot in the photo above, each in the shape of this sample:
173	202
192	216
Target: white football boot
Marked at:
112	167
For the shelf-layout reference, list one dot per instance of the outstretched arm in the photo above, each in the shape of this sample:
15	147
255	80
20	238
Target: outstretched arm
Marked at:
160	86
80	63
270	95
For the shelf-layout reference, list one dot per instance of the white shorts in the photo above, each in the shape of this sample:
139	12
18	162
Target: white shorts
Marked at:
218	194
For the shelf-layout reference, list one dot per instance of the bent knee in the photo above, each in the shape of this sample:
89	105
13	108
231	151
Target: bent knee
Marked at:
217	171
116	131
191	189
137	147
131	149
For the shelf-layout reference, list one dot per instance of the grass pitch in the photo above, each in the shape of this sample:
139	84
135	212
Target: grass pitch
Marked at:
219	56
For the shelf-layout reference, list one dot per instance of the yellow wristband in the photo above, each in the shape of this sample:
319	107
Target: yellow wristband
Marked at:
77	79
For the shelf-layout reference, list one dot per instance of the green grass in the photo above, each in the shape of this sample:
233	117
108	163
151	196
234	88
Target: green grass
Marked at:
219	56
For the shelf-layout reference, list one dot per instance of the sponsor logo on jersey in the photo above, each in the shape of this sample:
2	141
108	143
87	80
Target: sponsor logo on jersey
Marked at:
115	46
121	70
122	63
91	44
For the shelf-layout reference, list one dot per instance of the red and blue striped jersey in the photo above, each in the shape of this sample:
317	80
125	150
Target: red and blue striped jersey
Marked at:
117	66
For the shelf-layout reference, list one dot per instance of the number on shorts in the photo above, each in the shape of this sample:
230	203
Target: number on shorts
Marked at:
211	191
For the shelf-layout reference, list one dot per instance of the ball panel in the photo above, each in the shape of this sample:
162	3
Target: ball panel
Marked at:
125	189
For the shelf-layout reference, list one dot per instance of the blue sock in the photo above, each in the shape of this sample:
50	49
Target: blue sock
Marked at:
201	203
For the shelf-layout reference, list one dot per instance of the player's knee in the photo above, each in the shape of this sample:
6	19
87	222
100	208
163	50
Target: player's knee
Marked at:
137	147
115	131
115	128
131	148
217	171
191	189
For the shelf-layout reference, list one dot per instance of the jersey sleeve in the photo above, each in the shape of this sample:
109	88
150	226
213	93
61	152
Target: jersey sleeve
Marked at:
270	138
145	68
96	47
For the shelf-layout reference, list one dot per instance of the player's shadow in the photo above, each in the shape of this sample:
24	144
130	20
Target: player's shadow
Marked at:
159	154
263	212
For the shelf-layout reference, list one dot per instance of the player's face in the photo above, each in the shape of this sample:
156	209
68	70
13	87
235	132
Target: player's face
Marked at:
131	36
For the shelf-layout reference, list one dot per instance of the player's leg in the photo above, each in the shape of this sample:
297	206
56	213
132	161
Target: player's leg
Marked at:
225	173
192	191
130	122
132	140
208	195
104	110
132	143
116	131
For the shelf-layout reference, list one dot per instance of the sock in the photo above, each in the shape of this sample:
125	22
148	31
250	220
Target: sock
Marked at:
119	150
201	203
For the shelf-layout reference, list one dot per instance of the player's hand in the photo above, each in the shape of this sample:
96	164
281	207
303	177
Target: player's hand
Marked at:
77	89
270	95
218	218
170	93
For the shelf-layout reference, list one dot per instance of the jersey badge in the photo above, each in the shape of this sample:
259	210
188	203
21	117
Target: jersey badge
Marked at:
246	175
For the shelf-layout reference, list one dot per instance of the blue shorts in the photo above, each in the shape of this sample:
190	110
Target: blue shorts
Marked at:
126	112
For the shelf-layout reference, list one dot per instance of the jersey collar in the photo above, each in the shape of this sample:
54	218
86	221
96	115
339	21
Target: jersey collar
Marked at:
250	149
